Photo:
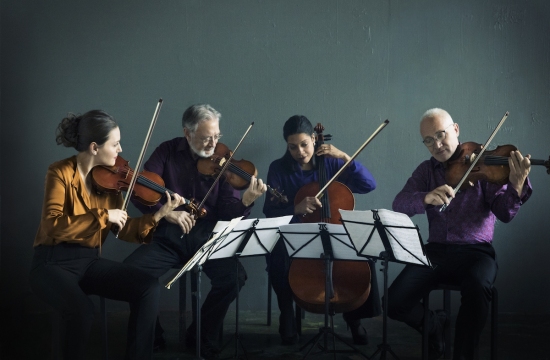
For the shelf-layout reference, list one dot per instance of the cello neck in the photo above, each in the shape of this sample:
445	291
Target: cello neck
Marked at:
323	177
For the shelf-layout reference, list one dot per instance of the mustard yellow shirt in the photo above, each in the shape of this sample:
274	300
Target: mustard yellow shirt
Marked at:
70	215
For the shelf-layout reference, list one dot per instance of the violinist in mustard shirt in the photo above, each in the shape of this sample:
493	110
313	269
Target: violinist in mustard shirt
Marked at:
76	219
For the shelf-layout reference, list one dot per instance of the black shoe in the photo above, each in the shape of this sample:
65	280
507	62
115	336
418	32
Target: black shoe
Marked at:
436	344
208	350
290	340
358	333
159	344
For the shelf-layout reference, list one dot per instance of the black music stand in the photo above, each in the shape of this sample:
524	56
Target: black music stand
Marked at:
251	237
328	242
389	236
194	264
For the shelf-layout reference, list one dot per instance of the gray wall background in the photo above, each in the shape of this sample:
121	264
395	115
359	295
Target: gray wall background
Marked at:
347	64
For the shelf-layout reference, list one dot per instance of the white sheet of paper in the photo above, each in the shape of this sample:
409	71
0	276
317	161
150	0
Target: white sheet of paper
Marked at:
304	241
405	243
407	239
267	231
360	225
221	236
266	234
201	255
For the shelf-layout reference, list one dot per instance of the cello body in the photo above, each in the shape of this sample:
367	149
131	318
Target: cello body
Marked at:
350	279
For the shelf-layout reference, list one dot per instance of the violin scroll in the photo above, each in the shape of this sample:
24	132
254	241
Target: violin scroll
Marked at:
193	208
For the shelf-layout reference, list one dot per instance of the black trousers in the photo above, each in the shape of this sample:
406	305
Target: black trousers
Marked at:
278	268
473	267
65	274
168	250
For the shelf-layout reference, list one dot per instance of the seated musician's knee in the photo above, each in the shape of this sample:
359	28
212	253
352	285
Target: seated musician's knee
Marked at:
396	310
479	289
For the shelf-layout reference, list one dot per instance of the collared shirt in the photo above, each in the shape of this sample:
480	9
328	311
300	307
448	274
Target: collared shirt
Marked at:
174	163
356	177
470	217
70	215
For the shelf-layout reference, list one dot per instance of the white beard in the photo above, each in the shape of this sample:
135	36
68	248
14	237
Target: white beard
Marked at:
202	153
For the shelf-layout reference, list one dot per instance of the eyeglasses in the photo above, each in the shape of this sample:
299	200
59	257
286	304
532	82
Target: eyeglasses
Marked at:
439	137
209	139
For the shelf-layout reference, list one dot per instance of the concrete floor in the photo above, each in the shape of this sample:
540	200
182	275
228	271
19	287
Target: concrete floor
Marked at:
520	337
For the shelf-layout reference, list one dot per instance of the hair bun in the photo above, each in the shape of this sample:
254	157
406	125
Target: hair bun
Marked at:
67	130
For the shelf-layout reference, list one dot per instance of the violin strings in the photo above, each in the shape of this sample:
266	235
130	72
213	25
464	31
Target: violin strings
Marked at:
145	181
237	170
325	210
495	160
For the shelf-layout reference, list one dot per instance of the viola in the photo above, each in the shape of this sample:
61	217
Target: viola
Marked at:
306	276
148	190
492	166
238	173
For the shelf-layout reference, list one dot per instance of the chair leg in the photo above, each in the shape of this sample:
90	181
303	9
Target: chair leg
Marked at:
299	313
182	323
426	326
494	323
268	300
447	330
56	335
103	309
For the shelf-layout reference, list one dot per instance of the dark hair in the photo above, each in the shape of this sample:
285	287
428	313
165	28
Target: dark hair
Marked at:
194	114
297	124
79	131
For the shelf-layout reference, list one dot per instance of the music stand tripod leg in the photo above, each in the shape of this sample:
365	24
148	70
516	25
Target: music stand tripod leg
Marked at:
197	294
384	347
237	335
322	331
327	330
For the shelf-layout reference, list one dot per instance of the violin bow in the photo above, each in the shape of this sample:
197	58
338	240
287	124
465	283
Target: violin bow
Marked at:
225	165
376	132
140	159
476	158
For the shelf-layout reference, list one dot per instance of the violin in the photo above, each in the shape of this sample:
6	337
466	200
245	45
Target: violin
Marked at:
148	190
492	166
307	277
238	173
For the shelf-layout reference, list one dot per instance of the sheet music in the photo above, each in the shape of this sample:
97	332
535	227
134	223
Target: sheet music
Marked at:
401	232
201	255
304	241
221	236
267	234
361	228
262	241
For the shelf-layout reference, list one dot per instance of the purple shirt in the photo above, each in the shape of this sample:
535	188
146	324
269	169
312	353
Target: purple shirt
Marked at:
356	177
470	217
173	162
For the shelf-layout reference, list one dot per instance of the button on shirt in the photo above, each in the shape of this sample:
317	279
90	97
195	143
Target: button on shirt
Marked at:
471	215
174	163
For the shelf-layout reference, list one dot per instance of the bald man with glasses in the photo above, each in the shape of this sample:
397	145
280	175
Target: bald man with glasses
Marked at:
460	238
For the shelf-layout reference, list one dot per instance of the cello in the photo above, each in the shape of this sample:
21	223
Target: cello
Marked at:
307	277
